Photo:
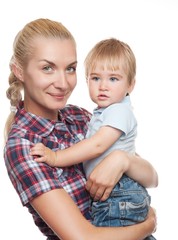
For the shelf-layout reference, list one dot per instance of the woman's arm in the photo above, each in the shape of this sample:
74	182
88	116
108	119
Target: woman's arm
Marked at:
60	212
142	171
109	171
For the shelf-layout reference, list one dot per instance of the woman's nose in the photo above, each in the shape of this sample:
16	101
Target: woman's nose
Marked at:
61	81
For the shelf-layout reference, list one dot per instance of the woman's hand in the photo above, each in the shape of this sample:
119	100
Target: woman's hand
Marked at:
109	171
106	174
153	218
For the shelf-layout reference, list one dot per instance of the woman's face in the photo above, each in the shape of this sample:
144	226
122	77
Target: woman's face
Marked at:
50	76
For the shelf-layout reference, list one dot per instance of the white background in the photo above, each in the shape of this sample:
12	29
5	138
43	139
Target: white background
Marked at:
150	27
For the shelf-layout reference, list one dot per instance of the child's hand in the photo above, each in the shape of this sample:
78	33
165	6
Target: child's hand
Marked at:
45	153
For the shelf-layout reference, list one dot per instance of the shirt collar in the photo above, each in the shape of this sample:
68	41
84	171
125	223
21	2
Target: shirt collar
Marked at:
37	124
126	100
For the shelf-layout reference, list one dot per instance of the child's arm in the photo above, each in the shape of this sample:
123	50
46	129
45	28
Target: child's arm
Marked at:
85	150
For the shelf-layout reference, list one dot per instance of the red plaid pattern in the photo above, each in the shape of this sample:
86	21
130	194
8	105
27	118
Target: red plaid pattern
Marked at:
30	179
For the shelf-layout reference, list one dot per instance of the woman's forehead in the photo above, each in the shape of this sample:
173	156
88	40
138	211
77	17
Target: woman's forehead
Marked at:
53	48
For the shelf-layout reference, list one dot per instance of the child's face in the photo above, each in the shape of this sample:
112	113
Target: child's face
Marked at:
107	87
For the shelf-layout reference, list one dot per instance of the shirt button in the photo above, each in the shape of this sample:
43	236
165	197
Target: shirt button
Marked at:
66	135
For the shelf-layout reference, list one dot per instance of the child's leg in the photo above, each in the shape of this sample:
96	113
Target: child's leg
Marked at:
128	204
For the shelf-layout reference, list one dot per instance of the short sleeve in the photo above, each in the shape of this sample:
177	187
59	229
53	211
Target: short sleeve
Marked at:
29	178
119	116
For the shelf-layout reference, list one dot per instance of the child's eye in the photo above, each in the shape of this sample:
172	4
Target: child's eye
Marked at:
114	79
95	78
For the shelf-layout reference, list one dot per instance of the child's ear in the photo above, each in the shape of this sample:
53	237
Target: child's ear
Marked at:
131	87
17	72
87	81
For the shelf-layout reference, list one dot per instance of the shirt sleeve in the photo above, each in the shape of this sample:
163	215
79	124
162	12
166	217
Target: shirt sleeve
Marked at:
29	178
119	116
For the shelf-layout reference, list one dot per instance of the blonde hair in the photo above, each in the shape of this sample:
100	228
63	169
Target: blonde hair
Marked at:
112	54
23	48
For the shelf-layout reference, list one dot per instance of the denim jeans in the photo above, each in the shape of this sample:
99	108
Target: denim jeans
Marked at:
128	204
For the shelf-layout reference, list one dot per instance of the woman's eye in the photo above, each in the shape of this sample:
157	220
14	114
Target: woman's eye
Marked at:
71	69
47	68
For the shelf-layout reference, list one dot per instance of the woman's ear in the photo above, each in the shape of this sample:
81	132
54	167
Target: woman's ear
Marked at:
17	71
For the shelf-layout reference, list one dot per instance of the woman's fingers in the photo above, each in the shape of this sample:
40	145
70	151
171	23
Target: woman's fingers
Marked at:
98	191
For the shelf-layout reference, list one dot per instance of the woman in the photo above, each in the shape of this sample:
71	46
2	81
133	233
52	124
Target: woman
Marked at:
44	67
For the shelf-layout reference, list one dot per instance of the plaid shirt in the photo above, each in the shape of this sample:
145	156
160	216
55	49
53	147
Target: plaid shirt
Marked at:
31	179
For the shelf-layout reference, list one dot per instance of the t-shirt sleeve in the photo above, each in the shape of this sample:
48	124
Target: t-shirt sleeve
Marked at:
119	116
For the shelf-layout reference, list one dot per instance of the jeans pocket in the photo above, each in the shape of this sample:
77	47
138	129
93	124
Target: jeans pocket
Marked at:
135	209
100	213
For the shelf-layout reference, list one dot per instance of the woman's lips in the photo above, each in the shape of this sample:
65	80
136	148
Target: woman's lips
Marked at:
57	96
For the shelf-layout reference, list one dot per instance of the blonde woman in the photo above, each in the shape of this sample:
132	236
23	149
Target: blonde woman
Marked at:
43	65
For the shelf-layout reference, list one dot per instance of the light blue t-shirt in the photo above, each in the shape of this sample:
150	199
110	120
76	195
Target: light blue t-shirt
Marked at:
119	116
